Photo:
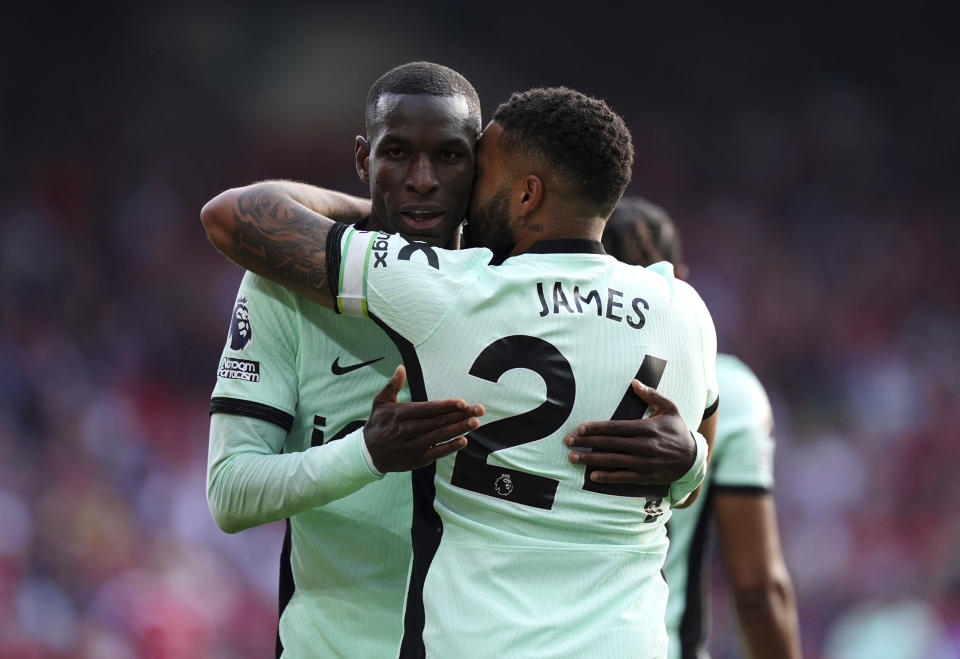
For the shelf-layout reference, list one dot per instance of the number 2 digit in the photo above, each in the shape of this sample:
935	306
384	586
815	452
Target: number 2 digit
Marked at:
471	470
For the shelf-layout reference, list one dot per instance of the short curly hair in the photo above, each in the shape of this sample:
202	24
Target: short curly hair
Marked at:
421	78
580	137
641	233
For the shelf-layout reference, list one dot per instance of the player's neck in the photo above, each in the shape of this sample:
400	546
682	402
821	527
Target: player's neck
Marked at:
578	228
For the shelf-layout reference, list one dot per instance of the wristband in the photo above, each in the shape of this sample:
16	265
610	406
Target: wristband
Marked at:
366	454
680	489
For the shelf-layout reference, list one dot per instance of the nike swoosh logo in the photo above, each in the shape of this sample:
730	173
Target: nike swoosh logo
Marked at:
341	370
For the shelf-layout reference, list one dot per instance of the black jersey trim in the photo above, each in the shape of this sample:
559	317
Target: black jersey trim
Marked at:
707	413
287	585
757	490
426	527
695	620
567	246
418	391
220	405
333	260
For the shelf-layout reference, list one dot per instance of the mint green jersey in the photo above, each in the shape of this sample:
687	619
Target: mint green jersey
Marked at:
516	551
742	461
305	369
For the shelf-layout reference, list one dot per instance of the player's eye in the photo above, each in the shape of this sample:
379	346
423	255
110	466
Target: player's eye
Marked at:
450	155
396	154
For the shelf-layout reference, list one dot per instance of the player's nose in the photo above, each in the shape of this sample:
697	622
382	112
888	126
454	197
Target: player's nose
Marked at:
422	175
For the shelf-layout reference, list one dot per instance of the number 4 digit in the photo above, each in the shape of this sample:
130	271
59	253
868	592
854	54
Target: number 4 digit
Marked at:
632	407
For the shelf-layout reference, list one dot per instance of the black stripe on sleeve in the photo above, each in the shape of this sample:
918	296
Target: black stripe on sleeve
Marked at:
219	405
707	413
741	489
333	260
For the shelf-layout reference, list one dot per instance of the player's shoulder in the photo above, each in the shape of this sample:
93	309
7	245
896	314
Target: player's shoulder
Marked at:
414	252
680	294
259	290
656	278
471	257
739	385
731	369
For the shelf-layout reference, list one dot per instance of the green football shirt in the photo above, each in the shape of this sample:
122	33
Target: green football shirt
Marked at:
742	460
294	383
517	552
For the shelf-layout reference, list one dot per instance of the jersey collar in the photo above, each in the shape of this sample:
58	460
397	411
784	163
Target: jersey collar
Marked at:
566	246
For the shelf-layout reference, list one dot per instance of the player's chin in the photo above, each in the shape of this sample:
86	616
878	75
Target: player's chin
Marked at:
436	230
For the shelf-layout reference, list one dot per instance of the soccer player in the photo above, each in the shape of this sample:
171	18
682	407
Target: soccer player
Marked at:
518	549
736	494
295	383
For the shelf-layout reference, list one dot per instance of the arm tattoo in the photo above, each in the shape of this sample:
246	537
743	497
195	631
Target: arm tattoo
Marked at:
283	238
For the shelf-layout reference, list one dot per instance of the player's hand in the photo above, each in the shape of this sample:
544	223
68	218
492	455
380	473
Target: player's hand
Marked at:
404	436
656	450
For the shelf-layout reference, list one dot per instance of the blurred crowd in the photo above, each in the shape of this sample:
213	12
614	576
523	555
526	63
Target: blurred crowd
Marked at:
819	225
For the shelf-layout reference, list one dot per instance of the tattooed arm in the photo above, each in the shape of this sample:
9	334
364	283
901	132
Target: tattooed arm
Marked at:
276	229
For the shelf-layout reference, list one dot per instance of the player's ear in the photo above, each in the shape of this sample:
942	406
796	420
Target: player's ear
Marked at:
531	195
361	150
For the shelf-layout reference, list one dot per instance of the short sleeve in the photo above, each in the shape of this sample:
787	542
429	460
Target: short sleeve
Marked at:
408	286
257	372
708	340
744	443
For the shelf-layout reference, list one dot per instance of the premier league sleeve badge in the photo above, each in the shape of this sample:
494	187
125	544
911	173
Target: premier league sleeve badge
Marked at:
241	333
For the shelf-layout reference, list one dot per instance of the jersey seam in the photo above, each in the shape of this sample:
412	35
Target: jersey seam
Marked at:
703	353
436	325
433	330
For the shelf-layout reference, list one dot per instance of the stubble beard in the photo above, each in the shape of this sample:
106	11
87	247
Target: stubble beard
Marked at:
489	226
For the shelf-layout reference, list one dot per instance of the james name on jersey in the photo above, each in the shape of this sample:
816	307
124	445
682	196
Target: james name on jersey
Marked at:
608	305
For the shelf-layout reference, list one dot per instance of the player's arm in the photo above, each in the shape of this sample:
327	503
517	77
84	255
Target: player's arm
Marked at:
249	482
697	472
762	590
659	449
273	228
338	206
692	481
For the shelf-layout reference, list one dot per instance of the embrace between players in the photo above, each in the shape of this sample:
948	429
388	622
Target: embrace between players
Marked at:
504	495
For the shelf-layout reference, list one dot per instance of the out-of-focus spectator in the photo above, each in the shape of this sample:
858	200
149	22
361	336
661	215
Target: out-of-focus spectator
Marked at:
906	629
